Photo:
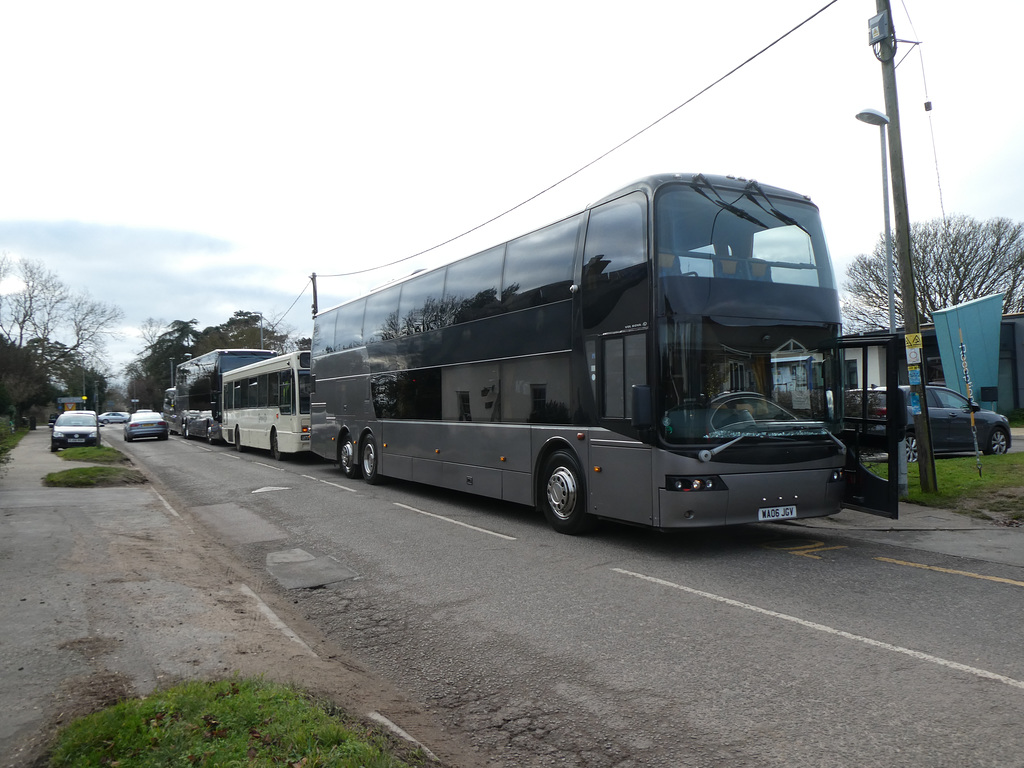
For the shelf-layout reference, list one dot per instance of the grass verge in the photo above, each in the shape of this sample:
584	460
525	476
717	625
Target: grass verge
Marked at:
99	454
94	477
229	722
8	440
998	491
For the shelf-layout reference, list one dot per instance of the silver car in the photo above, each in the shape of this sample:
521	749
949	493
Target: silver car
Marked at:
114	417
146	424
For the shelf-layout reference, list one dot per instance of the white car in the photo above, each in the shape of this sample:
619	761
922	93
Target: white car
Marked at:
114	417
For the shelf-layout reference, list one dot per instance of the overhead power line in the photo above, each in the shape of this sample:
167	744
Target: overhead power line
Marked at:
600	157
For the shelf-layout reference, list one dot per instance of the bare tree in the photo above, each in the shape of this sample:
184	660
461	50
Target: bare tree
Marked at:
44	315
955	259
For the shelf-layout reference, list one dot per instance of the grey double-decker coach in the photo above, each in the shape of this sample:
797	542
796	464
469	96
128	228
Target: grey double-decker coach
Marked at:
667	357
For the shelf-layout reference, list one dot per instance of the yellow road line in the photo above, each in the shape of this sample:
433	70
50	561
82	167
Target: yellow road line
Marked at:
952	571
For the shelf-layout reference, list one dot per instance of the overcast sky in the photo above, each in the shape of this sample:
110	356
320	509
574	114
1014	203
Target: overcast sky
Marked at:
188	160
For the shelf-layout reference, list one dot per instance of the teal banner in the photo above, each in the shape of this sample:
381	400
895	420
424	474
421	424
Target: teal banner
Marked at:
979	322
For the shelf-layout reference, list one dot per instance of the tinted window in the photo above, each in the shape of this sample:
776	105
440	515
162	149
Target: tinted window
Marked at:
538	266
380	322
323	332
740	235
349	332
421	305
338	329
614	262
407	394
472	287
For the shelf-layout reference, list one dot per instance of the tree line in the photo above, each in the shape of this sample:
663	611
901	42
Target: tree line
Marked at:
168	345
51	338
53	344
953	260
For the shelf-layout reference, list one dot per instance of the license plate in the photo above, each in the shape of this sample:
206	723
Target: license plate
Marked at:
76	439
776	513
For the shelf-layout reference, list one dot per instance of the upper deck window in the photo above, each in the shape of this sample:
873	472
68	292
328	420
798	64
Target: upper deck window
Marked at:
744	234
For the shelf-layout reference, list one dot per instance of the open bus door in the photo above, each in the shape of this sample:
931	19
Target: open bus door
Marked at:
870	425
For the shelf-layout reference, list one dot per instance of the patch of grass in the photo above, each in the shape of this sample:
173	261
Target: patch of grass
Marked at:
230	722
93	477
999	488
99	454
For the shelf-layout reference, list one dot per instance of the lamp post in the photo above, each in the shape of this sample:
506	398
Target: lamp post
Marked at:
874	117
261	326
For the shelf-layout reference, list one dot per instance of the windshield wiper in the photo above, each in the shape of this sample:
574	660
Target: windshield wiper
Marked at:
721	202
753	185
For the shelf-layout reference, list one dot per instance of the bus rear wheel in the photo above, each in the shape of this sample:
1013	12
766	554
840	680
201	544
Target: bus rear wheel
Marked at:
347	458
563	497
238	441
369	460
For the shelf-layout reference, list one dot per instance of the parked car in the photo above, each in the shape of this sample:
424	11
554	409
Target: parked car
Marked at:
75	429
114	417
949	416
146	424
53	418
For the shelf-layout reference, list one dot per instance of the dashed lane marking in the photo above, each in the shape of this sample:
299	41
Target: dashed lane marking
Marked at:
456	522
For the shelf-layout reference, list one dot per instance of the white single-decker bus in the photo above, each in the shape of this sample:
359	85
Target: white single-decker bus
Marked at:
266	405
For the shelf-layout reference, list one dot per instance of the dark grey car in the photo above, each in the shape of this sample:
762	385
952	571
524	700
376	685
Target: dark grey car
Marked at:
949	416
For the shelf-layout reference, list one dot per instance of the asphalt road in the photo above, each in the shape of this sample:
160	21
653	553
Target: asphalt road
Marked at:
757	646
498	642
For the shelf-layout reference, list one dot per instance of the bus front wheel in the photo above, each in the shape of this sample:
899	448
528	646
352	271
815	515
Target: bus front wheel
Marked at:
275	449
369	460
238	441
563	497
347	458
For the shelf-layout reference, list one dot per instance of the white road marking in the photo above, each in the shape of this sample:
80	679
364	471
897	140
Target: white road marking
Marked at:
333	485
269	466
456	522
402	734
832	631
275	621
173	511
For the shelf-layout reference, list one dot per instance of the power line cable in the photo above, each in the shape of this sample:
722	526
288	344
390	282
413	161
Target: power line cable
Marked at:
928	109
597	159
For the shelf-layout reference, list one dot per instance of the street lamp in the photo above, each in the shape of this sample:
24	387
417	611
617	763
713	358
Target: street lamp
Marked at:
261	326
874	117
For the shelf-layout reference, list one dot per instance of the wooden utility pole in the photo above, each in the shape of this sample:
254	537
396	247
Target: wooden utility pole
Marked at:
883	38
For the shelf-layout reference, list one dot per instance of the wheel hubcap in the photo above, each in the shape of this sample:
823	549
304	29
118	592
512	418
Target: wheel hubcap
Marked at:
369	459
561	493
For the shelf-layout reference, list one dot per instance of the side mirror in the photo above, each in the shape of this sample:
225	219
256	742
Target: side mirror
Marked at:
643	407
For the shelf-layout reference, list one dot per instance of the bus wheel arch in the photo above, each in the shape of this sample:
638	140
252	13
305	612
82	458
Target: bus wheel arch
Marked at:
369	458
348	458
562	491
